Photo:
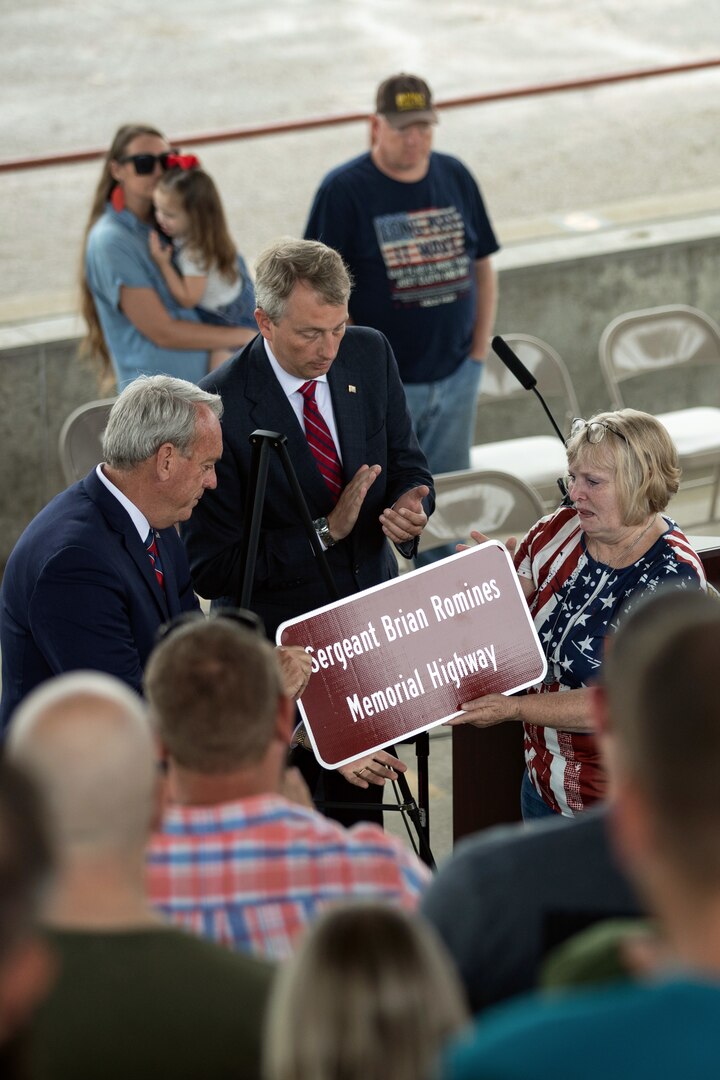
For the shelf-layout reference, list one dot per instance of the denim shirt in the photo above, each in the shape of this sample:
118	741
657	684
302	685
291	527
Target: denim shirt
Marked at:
117	255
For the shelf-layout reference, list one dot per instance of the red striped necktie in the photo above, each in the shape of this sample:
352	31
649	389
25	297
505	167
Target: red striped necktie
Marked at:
152	550
320	441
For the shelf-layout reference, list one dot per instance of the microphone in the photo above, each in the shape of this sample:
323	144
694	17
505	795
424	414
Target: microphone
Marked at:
513	363
528	382
526	379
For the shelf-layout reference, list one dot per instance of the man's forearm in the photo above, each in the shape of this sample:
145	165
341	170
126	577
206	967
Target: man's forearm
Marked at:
487	292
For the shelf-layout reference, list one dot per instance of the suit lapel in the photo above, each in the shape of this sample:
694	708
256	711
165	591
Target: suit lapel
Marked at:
119	521
345	379
270	410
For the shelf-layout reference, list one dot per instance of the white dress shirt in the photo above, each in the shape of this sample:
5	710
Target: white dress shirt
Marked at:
291	385
139	520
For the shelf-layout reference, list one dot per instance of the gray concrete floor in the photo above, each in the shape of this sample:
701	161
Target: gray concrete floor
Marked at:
73	70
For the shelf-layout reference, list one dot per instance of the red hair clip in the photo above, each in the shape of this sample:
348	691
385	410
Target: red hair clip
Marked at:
182	161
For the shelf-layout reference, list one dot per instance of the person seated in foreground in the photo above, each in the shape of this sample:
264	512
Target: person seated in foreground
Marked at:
135	997
233	858
508	896
385	999
26	965
661	712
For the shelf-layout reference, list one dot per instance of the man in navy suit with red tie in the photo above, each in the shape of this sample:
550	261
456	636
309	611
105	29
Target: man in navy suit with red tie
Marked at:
383	490
101	567
335	392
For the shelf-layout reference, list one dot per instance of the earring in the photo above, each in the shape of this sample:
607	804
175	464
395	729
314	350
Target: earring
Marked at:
117	198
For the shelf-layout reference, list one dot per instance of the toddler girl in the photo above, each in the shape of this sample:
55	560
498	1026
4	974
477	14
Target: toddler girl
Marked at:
213	277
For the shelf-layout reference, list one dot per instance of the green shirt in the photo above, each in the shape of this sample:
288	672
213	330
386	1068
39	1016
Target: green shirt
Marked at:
150	1003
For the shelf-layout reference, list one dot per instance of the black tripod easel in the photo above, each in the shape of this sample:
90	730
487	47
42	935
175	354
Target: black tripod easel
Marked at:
262	443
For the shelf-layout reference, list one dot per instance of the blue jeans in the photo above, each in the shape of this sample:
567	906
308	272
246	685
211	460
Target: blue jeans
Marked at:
443	415
531	804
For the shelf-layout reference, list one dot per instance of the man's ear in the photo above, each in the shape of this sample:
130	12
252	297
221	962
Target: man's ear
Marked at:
164	461
265	323
631	825
603	730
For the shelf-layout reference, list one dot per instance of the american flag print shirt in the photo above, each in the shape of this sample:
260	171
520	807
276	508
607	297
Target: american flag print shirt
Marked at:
576	602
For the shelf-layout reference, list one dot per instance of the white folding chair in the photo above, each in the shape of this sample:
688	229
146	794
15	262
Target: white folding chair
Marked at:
80	441
495	503
671	356
538	457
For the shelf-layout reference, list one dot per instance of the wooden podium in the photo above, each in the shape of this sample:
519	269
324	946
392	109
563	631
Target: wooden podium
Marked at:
488	763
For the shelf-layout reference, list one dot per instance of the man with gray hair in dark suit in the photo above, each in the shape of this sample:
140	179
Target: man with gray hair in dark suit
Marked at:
101	567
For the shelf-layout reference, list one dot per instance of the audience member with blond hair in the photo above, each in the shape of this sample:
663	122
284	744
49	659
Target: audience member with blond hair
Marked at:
370	994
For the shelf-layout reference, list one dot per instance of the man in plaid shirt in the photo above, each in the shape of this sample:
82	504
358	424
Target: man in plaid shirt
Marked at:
234	859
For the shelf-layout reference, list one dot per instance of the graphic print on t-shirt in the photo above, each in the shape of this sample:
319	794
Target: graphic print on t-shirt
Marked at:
424	255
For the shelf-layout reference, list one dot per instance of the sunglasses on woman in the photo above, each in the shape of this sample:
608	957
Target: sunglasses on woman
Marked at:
145	163
594	430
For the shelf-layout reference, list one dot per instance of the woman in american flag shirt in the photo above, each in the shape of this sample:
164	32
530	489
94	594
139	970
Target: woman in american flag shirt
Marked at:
581	569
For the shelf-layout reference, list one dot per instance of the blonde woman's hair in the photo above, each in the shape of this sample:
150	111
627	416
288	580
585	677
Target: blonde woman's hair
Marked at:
643	456
93	344
370	994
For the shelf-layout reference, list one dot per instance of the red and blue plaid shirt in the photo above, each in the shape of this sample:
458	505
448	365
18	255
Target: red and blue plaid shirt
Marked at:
252	874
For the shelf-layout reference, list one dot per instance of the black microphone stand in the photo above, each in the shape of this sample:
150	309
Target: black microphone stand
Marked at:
262	443
528	382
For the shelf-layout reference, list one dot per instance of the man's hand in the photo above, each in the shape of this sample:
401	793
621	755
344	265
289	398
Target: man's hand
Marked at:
294	668
375	769
407	518
341	519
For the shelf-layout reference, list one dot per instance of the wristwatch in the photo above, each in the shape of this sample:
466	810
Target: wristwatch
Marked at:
323	530
300	738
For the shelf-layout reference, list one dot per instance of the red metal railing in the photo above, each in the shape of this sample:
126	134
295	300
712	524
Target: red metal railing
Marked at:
252	131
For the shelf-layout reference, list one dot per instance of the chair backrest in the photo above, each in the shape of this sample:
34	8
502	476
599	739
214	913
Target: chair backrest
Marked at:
500	385
80	442
663	341
495	503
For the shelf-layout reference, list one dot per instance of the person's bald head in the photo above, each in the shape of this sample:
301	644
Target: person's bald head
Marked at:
86	739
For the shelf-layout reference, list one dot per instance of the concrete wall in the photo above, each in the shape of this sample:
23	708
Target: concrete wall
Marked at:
41	381
562	290
566	291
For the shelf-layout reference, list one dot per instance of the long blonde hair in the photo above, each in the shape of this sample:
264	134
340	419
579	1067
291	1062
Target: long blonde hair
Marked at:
93	344
370	994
